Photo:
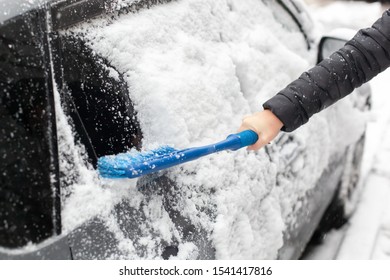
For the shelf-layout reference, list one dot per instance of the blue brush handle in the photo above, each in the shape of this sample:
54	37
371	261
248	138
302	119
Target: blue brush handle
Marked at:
232	142
246	138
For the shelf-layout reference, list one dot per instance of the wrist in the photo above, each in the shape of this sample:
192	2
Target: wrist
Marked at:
274	121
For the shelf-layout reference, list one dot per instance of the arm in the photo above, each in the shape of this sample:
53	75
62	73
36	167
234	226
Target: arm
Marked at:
362	58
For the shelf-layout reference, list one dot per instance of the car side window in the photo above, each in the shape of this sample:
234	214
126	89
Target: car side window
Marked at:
29	198
285	13
282	15
97	100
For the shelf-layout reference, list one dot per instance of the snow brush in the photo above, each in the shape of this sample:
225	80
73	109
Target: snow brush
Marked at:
136	164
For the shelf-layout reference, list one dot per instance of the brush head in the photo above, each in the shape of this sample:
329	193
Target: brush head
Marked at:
131	164
135	164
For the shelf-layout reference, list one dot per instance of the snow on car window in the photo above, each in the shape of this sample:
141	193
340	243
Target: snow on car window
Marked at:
117	5
282	15
193	69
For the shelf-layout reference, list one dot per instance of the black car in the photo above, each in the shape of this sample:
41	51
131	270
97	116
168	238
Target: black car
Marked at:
67	99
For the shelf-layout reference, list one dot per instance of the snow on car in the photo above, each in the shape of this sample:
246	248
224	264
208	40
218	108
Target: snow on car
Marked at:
188	71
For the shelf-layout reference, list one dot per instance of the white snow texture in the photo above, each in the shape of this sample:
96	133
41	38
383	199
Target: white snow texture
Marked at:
194	68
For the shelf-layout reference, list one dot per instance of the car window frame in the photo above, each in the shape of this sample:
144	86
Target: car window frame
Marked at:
295	18
39	33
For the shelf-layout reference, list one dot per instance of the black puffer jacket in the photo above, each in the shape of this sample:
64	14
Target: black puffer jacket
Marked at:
363	57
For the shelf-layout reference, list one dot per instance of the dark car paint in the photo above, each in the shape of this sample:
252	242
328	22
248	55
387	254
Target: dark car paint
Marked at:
92	240
29	165
313	209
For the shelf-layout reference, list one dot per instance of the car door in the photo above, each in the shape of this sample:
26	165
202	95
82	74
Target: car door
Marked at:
97	238
173	215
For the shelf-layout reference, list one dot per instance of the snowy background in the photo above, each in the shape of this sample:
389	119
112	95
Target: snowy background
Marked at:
367	235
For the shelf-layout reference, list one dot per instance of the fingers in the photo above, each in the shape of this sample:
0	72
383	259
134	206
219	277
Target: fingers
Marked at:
249	122
246	125
265	124
259	144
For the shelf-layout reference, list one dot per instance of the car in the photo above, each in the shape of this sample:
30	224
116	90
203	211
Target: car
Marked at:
382	1
87	78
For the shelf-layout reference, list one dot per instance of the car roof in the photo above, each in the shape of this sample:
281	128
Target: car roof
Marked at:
10	9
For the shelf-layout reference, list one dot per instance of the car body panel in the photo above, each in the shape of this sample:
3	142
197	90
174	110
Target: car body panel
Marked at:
132	218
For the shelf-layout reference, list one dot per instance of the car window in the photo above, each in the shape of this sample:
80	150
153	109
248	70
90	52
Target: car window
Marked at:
282	15
285	13
28	192
96	98
186	66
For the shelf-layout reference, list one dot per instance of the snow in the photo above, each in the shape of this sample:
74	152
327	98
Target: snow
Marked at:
81	180
369	227
198	66
9	9
188	61
339	14
366	235
194	68
117	5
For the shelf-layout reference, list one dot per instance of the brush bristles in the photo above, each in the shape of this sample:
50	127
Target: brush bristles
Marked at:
118	166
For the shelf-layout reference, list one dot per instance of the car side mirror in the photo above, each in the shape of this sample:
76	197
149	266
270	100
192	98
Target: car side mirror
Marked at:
333	42
329	45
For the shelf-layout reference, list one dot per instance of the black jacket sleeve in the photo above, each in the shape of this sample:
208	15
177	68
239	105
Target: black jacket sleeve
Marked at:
363	57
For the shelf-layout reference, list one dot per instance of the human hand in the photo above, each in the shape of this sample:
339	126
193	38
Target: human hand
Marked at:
265	124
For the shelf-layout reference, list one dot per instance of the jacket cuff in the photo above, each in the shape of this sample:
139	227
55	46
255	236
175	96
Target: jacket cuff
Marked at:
286	111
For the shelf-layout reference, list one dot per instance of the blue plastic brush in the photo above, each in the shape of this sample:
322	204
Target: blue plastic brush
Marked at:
133	164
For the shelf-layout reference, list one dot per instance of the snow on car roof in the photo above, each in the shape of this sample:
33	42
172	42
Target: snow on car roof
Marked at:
9	9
